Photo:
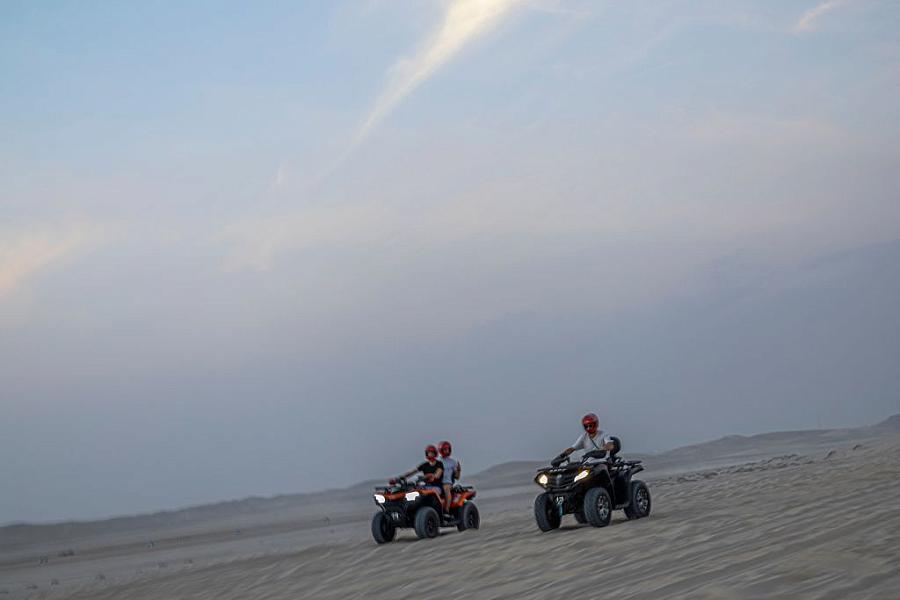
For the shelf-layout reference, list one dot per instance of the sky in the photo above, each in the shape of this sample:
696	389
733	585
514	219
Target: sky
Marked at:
281	247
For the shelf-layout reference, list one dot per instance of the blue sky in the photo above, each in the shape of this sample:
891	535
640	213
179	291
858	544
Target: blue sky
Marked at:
234	238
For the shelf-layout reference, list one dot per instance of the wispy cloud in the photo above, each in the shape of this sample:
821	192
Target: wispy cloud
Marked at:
807	22
25	253
280	176
463	21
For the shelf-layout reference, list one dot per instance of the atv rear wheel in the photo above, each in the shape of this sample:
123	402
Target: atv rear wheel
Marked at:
545	513
468	517
640	500
383	529
427	523
598	507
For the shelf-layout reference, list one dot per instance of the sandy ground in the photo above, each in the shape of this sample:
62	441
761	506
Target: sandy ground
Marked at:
808	516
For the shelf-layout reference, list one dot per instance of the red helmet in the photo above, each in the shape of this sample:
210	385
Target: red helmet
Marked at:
590	422
430	449
445	448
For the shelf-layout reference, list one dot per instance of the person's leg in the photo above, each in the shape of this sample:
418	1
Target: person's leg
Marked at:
439	488
447	497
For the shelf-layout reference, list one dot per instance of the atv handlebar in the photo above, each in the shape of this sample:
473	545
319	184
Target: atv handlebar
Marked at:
563	458
559	459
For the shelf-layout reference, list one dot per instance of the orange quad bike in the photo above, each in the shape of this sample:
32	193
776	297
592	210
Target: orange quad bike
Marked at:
416	504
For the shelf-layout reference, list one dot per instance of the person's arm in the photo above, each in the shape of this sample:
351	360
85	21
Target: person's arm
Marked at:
435	477
409	473
578	445
562	456
458	470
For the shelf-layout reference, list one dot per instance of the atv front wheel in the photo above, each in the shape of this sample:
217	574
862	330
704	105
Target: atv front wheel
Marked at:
598	507
427	522
545	513
640	500
383	529
468	517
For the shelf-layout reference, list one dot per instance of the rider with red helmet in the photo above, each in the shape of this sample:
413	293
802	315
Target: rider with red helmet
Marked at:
432	468
451	472
592	438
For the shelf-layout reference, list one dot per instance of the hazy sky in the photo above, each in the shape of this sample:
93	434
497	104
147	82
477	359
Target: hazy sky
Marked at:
277	247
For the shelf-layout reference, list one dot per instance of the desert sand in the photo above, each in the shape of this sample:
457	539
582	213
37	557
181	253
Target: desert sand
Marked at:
807	514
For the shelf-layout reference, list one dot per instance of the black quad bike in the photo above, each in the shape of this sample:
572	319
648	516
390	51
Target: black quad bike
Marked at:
590	489
415	504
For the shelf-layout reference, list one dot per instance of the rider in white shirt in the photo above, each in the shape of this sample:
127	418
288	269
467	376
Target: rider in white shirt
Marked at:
592	438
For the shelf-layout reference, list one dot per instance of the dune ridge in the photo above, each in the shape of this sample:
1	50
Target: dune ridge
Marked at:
799	514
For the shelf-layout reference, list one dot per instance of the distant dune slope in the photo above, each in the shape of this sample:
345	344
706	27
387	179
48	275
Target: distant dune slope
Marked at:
729	449
821	525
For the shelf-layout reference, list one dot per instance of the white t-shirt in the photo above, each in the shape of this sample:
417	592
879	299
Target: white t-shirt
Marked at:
587	443
449	468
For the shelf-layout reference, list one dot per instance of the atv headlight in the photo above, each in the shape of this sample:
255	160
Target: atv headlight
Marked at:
582	474
379	498
543	479
411	497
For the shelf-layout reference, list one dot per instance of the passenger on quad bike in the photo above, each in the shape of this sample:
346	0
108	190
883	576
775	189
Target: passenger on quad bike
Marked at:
591	440
451	472
432	469
420	505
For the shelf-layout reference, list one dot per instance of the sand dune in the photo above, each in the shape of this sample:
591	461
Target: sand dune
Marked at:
793	514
